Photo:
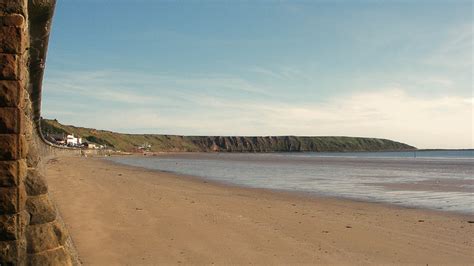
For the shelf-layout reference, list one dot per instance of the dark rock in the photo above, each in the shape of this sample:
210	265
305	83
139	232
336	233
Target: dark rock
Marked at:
12	252
12	226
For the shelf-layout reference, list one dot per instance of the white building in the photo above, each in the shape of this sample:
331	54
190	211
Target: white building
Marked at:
73	141
92	146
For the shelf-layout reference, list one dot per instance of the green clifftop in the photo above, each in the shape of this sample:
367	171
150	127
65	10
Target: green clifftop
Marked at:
130	142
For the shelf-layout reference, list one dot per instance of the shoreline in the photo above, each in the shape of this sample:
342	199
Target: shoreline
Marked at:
325	156
120	214
382	192
294	193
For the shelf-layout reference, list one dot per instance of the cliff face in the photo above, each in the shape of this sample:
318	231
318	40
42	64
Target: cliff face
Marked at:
295	144
130	142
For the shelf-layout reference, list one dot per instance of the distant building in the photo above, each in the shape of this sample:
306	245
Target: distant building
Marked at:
90	145
73	141
144	147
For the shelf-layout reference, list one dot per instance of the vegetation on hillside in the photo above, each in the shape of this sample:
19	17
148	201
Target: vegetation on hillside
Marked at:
157	143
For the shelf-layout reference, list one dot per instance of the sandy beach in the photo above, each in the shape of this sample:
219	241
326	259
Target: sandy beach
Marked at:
122	215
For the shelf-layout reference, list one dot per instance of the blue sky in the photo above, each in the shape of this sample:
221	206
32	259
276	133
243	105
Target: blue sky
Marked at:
391	69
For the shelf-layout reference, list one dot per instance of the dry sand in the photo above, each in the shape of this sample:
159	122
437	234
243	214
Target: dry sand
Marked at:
121	215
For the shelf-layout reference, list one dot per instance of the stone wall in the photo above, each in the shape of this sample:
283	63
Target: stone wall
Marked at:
31	232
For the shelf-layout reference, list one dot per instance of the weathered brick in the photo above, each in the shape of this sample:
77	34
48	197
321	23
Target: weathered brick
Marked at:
27	124
13	6
34	153
51	257
8	227
33	158
12	199
15	20
12	252
12	173
13	147
35	183
10	120
23	147
12	40
13	226
9	66
11	93
8	147
41	209
23	67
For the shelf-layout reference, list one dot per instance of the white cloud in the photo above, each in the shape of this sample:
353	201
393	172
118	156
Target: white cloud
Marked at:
427	123
441	121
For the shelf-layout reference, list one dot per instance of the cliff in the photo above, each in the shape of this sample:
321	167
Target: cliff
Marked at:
130	142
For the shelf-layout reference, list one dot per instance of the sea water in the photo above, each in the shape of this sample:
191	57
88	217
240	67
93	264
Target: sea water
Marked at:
440	180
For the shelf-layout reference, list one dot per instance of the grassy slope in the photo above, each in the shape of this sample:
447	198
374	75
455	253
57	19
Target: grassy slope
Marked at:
129	142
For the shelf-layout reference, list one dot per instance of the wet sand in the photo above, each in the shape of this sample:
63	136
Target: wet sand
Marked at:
122	215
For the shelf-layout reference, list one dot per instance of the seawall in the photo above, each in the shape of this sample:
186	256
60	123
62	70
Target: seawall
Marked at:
31	232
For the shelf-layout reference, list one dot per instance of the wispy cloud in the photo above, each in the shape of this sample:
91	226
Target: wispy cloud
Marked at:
456	51
265	72
388	112
131	88
280	73
425	100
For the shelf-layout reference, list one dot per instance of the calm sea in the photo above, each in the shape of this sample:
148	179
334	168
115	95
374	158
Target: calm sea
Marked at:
440	180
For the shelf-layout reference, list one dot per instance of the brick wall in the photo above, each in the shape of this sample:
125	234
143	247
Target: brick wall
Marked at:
30	231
